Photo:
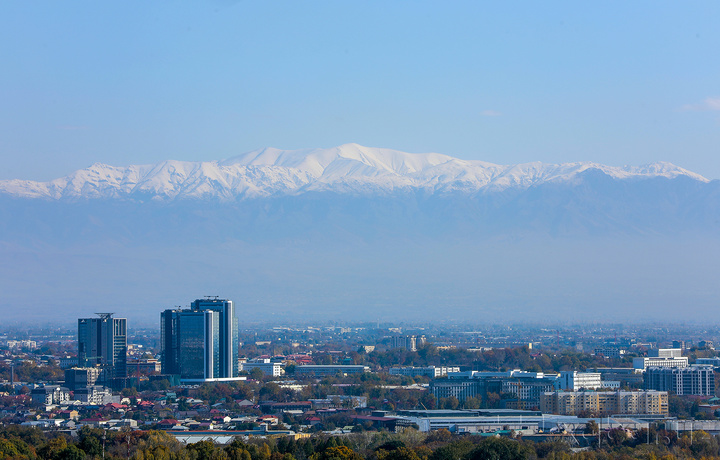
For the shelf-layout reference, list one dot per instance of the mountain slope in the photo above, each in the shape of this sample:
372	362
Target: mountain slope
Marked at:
349	168
359	233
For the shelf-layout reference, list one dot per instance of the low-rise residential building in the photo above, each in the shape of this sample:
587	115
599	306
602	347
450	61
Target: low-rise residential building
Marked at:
339	402
94	394
19	344
50	394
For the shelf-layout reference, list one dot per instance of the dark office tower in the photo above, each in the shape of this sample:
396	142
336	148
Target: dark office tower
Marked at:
103	342
200	342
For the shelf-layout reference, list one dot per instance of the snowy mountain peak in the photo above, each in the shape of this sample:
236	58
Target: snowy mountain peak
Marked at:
348	168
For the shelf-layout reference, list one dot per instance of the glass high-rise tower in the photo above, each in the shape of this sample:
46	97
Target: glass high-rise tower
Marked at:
200	342
103	342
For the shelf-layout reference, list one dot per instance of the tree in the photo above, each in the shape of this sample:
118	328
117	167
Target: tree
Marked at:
71	452
442	435
472	402
205	450
337	453
401	453
256	373
91	445
498	448
617	436
454	451
8	449
591	427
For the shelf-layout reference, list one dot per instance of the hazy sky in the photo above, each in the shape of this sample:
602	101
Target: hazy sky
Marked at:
506	82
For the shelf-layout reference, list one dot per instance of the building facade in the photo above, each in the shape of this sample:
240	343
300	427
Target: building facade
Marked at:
609	352
200	343
408	342
50	394
525	386
430	371
575	381
657	361
102	342
94	394
605	403
79	377
693	380
330	369
265	365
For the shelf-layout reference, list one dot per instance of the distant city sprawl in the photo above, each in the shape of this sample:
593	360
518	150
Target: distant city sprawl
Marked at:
205	376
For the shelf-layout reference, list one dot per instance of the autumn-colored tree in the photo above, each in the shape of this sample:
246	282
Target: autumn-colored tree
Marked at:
337	453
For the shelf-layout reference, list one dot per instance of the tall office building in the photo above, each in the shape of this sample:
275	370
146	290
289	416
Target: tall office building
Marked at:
102	342
200	343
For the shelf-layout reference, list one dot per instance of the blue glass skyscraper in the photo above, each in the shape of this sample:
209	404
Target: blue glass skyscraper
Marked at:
200	342
102	342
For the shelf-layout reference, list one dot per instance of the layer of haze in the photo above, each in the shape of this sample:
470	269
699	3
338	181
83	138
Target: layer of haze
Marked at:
133	83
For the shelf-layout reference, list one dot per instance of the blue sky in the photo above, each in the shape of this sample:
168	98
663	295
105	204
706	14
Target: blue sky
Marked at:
506	82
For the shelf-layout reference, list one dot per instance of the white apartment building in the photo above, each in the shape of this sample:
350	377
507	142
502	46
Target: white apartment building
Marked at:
575	381
94	394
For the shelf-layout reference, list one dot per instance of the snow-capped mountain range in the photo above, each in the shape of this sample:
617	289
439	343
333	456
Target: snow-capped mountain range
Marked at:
358	232
349	168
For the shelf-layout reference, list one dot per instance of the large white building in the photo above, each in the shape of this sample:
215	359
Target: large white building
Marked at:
665	353
94	394
661	357
644	363
575	381
268	368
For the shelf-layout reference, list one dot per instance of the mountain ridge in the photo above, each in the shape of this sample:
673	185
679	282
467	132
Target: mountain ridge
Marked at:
349	168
